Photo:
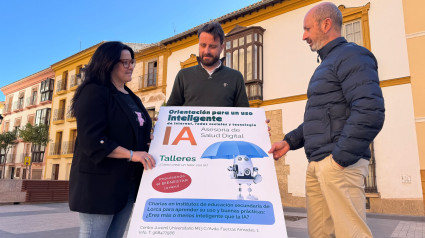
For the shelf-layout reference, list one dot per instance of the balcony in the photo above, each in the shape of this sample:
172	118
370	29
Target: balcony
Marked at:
68	147
69	117
10	158
61	86
75	81
7	109
18	105
58	116
31	101
147	81
55	149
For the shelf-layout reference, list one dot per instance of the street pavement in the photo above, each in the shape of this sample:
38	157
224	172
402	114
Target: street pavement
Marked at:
55	220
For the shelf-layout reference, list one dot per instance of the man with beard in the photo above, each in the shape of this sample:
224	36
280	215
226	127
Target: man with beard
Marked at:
209	83
344	112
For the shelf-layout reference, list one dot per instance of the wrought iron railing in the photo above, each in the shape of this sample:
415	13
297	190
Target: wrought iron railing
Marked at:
55	148
61	85
59	114
68	147
31	101
75	80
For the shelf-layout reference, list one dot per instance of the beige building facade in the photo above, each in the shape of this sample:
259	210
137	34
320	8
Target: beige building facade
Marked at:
27	101
69	74
415	38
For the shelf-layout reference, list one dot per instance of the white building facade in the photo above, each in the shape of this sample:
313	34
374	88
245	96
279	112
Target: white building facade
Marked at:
264	42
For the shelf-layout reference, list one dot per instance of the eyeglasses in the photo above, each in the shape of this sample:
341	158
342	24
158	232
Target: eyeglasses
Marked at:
126	63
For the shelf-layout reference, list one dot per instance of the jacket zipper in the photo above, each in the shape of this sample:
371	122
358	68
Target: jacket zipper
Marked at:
330	124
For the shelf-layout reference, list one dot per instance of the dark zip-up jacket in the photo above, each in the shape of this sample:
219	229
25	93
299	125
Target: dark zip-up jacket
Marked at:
345	107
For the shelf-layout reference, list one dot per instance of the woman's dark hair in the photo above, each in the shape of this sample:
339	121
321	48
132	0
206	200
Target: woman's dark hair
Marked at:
100	67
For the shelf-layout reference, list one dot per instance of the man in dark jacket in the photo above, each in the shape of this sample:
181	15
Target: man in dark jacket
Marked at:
344	113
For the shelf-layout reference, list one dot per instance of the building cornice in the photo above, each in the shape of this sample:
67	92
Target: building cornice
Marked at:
301	97
28	81
150	52
76	57
247	16
415	35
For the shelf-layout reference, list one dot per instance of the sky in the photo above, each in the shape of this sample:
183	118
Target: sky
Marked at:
37	34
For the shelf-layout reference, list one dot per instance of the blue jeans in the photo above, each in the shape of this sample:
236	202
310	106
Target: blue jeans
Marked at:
101	226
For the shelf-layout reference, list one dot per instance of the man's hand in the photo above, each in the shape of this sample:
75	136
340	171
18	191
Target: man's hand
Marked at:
279	149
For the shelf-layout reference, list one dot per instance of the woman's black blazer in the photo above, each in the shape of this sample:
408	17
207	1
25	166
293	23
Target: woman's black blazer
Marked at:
98	184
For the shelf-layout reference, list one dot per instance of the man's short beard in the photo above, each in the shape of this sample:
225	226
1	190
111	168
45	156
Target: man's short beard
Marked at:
319	42
211	63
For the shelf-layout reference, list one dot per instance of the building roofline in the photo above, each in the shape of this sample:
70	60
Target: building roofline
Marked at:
44	71
223	19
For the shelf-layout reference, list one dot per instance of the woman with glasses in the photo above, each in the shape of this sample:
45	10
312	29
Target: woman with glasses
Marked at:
113	132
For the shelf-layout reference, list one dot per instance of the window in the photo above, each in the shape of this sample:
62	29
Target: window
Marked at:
55	148
78	71
352	31
17	124
61	85
8	105
55	172
2	157
37	153
69	145
244	52
32	100
46	90
152	74
6	126
151	112
42	116
355	26
30	119
76	79
20	102
59	114
370	180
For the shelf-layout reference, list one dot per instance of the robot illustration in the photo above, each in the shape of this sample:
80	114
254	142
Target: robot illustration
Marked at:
245	173
242	169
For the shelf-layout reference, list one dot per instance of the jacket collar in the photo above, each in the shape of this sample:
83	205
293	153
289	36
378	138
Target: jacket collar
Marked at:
330	46
216	70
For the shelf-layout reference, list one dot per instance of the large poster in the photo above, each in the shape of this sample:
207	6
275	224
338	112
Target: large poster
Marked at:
213	177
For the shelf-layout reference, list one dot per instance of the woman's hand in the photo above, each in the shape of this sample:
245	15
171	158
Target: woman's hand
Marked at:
143	157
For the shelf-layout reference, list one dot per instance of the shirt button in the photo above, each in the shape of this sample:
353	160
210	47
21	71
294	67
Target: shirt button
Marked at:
101	142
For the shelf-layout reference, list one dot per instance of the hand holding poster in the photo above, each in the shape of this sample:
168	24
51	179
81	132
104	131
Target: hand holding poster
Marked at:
213	177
